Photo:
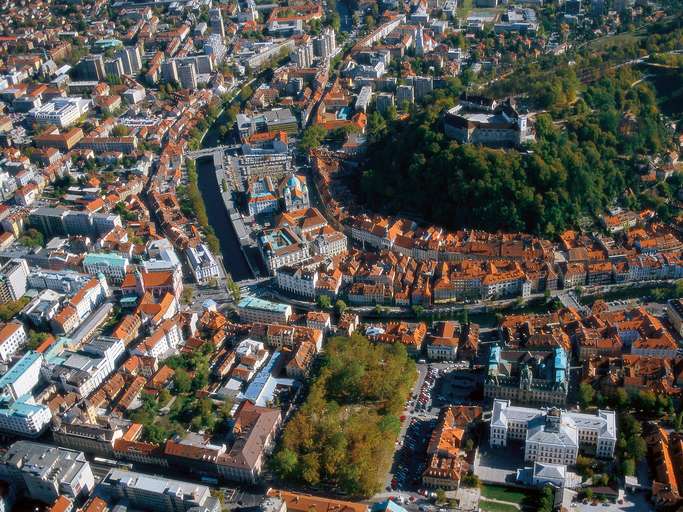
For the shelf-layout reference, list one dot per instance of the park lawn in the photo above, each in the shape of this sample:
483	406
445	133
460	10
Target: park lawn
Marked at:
498	492
492	506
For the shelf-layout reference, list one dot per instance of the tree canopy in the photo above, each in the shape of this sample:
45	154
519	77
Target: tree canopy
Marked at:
344	433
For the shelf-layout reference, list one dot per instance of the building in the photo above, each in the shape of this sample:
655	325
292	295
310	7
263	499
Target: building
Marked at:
131	59
261	196
363	99
158	494
253	309
446	338
282	246
253	435
446	454
424	85
405	94
43	472
92	68
276	120
187	76
203	264
280	500
84	371
22	377
216	22
23	417
384	101
530	378
674	312
114	67
505	126
63	222
113	266
13	279
61	112
324	45
163	342
553	436
303	55
294	192
319	320
12	338
298	281
19	414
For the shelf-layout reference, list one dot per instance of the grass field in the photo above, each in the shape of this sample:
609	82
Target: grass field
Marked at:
498	492
624	39
492	506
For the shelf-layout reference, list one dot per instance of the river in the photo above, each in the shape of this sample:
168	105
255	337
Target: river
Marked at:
233	258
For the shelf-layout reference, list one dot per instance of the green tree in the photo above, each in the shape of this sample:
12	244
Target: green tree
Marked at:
183	383
324	302
164	396
285	463
586	395
376	127
547	501
628	467
156	434
340	306
440	496
35	339
312	138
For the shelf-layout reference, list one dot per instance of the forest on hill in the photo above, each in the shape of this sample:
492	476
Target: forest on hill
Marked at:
577	166
597	123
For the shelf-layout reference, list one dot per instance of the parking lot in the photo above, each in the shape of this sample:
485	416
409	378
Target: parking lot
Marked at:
418	422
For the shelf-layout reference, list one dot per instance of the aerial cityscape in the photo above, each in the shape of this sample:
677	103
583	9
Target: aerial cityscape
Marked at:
341	255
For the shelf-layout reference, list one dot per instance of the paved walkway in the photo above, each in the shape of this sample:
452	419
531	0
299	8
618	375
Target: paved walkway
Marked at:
493	500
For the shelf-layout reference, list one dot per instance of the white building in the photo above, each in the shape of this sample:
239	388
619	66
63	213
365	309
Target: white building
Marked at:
12	338
22	377
23	417
19	414
163	342
156	493
89	297
202	263
13	279
297	281
62	281
113	266
553	436
62	112
44	472
505	126
442	349
82	372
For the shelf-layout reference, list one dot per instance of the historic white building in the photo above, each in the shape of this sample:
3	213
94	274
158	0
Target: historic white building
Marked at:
553	436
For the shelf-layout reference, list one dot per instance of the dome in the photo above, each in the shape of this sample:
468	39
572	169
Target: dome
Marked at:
293	182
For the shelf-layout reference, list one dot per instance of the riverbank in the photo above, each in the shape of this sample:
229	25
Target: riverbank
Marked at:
233	259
